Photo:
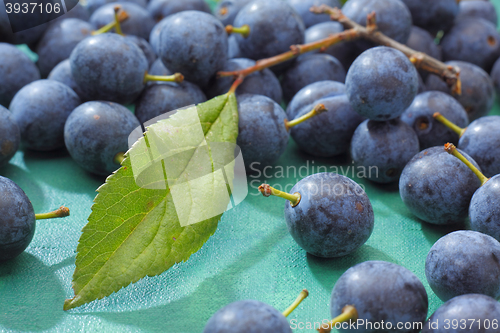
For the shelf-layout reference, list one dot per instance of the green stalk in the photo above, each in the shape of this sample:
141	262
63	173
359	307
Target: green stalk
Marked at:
442	119
119	16
451	149
60	212
267	190
303	294
320	108
243	30
177	77
118	28
349	312
104	29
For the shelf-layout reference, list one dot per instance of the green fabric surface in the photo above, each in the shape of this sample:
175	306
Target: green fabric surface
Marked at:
251	255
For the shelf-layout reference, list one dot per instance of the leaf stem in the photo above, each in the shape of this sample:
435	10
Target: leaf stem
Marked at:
318	109
442	119
267	191
119	157
236	84
349	312
60	212
177	77
244	30
451	149
302	296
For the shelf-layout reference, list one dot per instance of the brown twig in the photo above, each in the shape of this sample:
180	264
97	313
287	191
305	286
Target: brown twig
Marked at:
295	51
449	74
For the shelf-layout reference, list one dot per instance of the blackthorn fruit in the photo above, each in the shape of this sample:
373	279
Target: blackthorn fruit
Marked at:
160	9
308	69
227	10
484	209
158	68
312	93
433	15
10	136
93	5
385	146
139	22
436	187
58	41
303	8
381	83
482	50
478	92
62	73
431	132
109	67
329	133
233	49
481	140
262	136
393	17
16	71
480	314
274	26
195	44
327	214
464	262
249	316
167	96
17	220
381	291
96	132
145	47
154	36
40	110
477	9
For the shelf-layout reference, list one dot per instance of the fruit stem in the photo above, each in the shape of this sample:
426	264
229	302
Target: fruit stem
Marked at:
177	77
267	190
118	27
104	29
442	119
119	157
349	312
243	30
320	108
223	11
451	149
302	296
60	212
120	16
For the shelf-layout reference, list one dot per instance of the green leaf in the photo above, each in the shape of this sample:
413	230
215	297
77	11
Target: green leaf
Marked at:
134	229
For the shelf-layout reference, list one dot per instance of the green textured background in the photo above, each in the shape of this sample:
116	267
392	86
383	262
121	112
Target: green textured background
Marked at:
251	256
